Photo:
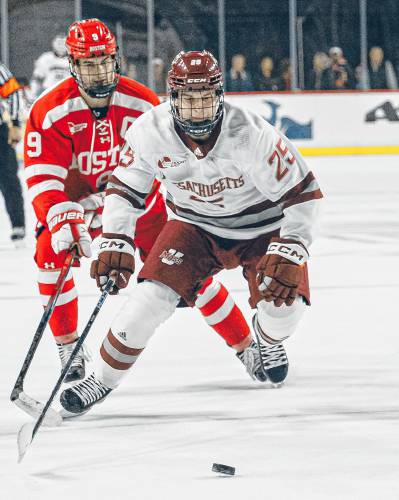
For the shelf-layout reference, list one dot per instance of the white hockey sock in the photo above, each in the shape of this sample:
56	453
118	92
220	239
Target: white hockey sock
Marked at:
150	304
279	323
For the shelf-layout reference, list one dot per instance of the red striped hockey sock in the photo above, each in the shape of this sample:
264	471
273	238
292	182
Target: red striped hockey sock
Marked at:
222	313
64	319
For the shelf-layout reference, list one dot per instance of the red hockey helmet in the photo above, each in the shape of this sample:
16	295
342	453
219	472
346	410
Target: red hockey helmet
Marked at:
196	92
91	39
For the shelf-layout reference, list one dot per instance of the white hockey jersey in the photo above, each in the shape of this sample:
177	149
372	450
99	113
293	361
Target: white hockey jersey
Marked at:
253	181
49	69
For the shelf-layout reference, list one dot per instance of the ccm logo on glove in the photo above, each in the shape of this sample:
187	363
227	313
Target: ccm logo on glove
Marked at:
112	244
294	252
116	259
280	271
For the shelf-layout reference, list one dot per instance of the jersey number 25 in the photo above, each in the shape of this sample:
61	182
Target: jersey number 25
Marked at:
278	159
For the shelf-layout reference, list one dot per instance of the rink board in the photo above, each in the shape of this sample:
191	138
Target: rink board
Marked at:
321	123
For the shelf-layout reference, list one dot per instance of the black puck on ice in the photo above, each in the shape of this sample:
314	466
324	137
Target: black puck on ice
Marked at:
224	469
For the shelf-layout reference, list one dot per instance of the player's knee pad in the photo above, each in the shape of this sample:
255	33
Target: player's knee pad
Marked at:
278	323
150	304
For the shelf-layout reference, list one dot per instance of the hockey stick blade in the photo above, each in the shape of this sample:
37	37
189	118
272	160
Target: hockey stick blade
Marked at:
28	431
48	310
34	408
25	436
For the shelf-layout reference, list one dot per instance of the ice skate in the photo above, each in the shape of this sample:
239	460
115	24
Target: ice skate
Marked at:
251	359
77	368
82	396
273	358
17	236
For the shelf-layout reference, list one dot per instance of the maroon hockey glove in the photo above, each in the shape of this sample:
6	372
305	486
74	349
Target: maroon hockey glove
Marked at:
115	259
280	271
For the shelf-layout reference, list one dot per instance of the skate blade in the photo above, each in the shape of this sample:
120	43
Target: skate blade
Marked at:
24	439
19	244
34	409
65	414
276	385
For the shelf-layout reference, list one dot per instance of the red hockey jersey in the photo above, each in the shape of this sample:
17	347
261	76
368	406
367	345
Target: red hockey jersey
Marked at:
70	153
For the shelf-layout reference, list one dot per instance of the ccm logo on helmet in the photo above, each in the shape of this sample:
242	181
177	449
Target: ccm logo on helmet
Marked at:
112	244
196	80
283	249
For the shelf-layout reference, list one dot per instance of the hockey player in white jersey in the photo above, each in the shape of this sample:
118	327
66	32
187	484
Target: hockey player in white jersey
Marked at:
238	194
50	68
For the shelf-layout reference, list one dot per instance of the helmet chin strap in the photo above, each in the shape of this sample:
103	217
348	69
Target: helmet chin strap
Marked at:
94	102
100	92
198	130
200	138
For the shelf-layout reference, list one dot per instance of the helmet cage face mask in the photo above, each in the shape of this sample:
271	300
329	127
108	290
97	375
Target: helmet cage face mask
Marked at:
196	92
197	111
97	76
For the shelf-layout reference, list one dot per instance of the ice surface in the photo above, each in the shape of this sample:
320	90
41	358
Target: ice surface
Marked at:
331	433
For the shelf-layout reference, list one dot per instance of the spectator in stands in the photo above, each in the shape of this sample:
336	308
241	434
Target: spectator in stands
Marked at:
266	80
238	79
339	74
167	40
131	70
160	76
321	62
50	67
380	72
284	79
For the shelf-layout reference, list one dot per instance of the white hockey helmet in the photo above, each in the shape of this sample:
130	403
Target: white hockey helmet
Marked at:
58	46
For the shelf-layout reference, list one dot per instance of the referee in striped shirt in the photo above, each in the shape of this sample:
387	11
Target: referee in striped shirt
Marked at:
10	135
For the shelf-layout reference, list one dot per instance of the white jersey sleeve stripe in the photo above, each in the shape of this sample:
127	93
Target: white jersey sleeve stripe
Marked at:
41	187
55	114
45	169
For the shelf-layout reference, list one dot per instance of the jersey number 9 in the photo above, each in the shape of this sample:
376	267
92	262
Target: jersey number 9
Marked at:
34	143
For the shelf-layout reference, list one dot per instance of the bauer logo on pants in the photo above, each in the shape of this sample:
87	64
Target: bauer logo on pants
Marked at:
171	257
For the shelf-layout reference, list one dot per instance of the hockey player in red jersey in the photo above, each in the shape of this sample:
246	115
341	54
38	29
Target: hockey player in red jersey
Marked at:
72	145
238	194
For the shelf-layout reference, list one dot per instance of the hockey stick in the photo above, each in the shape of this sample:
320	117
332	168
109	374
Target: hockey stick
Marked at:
28	431
18	396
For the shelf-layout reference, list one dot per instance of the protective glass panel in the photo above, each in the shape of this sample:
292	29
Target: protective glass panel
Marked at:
257	46
189	25
382	45
328	44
